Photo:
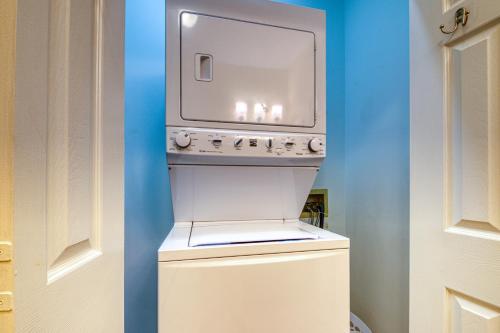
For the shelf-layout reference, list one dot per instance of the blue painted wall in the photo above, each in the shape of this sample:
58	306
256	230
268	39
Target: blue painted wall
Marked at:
332	172
148	211
377	160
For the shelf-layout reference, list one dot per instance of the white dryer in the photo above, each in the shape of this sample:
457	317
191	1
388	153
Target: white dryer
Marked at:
245	138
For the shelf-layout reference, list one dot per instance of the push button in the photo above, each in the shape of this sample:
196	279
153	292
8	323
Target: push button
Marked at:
217	142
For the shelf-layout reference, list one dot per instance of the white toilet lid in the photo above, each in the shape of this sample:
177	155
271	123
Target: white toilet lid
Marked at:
224	233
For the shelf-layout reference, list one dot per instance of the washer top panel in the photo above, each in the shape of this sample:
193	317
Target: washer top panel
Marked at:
177	244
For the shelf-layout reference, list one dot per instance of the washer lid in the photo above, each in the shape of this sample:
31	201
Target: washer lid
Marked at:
239	193
179	246
204	234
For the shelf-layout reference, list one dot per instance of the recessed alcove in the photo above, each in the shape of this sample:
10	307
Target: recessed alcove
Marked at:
366	170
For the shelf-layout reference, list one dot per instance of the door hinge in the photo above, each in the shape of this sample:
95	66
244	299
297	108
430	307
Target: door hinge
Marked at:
5	251
5	301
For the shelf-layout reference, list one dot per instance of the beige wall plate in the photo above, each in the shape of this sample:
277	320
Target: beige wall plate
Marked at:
319	195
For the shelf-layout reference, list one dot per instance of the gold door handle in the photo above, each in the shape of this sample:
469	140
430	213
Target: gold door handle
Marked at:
461	17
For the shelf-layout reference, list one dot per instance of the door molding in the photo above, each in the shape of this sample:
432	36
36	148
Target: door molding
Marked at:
8	10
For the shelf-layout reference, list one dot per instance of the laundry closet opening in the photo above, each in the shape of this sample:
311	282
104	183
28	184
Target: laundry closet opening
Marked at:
365	169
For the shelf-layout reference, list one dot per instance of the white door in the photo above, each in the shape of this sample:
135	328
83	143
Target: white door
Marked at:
68	175
455	168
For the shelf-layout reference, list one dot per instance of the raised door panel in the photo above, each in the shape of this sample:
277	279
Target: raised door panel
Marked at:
469	315
73	142
473	67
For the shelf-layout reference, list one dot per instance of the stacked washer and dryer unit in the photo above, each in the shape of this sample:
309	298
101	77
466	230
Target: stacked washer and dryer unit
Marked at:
245	139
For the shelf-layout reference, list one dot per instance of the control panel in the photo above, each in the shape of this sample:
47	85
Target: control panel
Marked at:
212	142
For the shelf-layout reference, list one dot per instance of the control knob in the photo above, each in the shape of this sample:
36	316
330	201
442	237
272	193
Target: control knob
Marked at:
182	139
269	143
315	145
238	142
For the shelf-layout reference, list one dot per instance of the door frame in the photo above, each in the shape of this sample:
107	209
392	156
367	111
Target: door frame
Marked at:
8	12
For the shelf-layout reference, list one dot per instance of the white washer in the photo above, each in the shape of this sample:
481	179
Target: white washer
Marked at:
245	138
257	285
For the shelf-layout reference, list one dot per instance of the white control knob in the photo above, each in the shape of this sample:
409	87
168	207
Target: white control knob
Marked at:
182	140
238	142
269	143
315	145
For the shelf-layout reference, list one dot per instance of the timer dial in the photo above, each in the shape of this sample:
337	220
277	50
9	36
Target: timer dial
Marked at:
182	139
315	145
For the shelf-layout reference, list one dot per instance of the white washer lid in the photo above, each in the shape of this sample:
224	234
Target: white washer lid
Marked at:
204	234
176	245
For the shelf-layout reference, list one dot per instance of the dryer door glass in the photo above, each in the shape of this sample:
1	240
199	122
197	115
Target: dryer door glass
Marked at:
243	72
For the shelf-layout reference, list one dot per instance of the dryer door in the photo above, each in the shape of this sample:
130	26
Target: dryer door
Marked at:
242	72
